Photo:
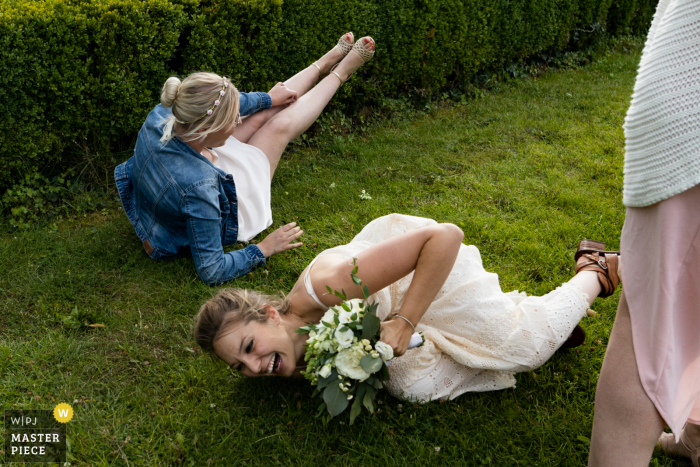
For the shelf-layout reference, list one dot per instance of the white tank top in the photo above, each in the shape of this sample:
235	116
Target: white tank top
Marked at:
251	174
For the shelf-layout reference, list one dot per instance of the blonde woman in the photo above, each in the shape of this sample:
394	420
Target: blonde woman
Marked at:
200	175
424	279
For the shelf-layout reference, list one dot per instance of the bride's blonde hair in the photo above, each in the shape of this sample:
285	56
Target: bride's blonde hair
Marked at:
193	101
231	307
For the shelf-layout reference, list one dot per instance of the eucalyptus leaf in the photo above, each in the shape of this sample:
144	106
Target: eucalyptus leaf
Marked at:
371	364
368	400
357	403
330	291
321	408
354	270
370	326
336	400
383	374
323	382
365	292
356	279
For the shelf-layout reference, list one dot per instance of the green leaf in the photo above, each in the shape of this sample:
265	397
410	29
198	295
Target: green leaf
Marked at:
368	400
335	399
370	326
377	384
356	279
323	382
383	374
357	403
371	364
584	440
321	408
365	292
354	270
330	291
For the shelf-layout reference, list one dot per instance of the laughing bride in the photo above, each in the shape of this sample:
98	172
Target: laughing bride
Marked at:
476	336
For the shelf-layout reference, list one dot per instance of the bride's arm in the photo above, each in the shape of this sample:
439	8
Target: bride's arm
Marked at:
429	251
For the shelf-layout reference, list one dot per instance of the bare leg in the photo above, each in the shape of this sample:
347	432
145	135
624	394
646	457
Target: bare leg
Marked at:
588	282
626	424
289	123
302	82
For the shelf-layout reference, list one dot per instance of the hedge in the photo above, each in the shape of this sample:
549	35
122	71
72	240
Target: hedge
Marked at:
80	76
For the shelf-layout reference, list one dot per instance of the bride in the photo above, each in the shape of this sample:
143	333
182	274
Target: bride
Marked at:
476	336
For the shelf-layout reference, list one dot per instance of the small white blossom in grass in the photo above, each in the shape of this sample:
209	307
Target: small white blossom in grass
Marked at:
437	449
350	397
332	185
365	195
212	406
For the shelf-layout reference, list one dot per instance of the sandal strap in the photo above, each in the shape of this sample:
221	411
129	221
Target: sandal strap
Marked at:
606	267
316	65
341	79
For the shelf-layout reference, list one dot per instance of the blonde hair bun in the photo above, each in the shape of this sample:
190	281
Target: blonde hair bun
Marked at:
169	92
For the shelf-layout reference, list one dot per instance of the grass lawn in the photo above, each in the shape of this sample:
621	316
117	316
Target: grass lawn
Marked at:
527	171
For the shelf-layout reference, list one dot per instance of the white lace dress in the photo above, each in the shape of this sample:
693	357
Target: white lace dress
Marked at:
476	336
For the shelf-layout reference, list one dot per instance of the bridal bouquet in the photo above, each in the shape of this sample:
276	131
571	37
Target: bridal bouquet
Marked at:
346	361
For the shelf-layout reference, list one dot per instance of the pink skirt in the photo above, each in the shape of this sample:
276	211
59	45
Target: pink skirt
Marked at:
660	248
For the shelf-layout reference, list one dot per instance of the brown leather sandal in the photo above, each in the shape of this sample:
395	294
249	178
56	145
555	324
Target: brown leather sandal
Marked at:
685	448
605	263
590	246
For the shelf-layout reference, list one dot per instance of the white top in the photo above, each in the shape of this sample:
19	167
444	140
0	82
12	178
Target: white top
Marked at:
662	127
476	336
251	174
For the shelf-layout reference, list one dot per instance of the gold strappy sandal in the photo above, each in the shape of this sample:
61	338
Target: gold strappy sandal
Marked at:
344	46
364	48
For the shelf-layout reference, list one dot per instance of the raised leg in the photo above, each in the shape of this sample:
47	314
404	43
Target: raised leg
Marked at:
302	82
291	122
626	424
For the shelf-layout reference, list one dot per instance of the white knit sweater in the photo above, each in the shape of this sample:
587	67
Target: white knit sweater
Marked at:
662	127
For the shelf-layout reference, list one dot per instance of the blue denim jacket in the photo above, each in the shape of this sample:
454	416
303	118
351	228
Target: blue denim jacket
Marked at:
177	200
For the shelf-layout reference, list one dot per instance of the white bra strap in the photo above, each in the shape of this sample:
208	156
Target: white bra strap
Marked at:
309	287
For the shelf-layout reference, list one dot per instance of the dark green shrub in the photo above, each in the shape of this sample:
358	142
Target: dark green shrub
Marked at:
77	78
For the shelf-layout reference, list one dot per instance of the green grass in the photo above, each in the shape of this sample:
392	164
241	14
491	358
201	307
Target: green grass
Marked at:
526	171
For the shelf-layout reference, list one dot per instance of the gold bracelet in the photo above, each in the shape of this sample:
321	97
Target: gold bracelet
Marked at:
408	321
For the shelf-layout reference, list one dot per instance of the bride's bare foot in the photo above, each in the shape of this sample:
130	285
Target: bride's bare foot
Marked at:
333	56
354	59
687	446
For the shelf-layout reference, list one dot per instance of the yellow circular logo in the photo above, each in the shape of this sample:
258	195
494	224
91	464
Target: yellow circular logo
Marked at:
63	412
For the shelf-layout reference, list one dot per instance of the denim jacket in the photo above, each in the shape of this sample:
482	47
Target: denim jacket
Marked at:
175	198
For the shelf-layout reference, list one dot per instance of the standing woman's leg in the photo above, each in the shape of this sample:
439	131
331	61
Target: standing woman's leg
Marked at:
626	424
302	82
289	123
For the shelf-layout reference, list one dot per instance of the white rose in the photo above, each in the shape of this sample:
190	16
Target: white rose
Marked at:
328	319
345	317
348	364
355	305
385	350
325	371
344	338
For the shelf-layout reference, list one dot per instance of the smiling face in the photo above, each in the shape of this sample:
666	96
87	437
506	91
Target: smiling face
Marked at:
259	348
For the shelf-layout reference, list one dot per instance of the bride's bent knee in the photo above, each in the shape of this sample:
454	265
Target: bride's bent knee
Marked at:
280	126
453	231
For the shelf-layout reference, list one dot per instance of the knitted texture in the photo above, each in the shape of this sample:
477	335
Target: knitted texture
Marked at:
662	127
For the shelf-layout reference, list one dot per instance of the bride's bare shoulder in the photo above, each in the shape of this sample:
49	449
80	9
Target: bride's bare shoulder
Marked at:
318	271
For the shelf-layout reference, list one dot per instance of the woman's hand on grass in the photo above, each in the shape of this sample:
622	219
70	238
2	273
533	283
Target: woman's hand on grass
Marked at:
396	333
282	95
280	240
